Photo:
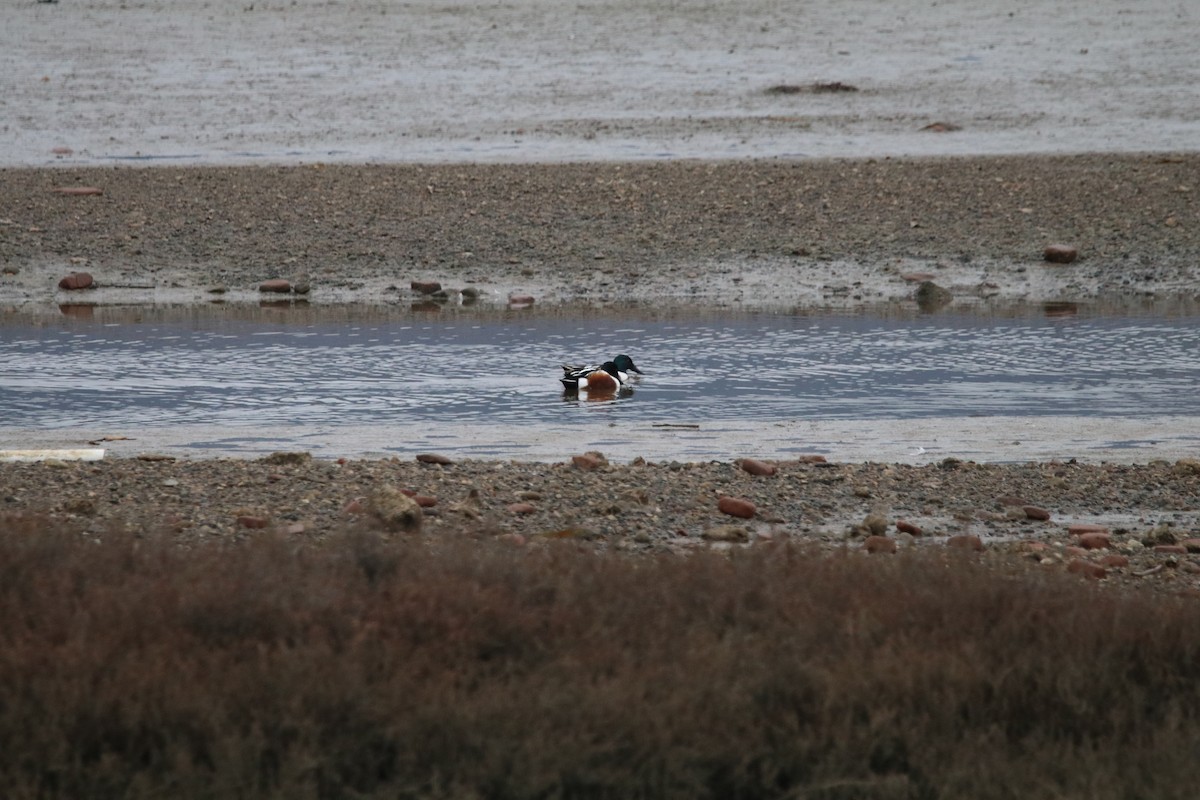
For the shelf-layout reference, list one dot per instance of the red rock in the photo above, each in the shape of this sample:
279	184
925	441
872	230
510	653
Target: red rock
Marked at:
425	501
1087	569
426	287
756	467
408	492
1080	528
1114	561
965	541
78	191
1192	545
433	458
1060	253
736	507
587	462
76	280
879	544
918	277
247	521
1095	541
1174	549
1036	512
522	508
1077	552
907	527
61	151
276	285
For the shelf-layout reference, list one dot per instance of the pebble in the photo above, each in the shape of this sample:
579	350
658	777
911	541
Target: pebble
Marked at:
1087	569
589	461
879	544
736	507
1036	512
875	524
917	277
907	527
1060	253
425	287
76	280
275	285
394	510
424	500
965	541
756	467
726	533
433	458
521	508
1095	541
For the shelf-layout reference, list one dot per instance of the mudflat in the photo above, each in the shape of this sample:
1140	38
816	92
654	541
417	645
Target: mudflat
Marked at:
751	234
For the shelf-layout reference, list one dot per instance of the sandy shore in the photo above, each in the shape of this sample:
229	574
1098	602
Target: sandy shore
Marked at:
765	234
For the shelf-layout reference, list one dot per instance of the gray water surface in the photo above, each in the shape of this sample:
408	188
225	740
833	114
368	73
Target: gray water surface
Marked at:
489	385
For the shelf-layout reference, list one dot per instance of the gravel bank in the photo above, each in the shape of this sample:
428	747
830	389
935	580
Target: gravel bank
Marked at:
1020	513
762	234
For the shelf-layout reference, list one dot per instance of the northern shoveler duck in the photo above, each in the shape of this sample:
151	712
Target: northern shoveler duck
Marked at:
573	374
605	378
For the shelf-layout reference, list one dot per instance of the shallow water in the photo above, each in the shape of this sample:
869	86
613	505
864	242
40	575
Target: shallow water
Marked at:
229	81
489	386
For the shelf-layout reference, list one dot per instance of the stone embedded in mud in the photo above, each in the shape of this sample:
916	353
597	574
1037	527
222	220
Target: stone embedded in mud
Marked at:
931	297
76	280
756	467
1087	569
1036	512
1095	541
736	507
275	285
78	191
879	544
1060	253
425	287
433	458
965	541
394	510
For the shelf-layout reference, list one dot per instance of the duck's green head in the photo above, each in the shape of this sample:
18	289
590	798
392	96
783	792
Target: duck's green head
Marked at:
625	364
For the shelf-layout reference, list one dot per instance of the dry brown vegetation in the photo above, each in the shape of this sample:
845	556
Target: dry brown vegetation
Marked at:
462	667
